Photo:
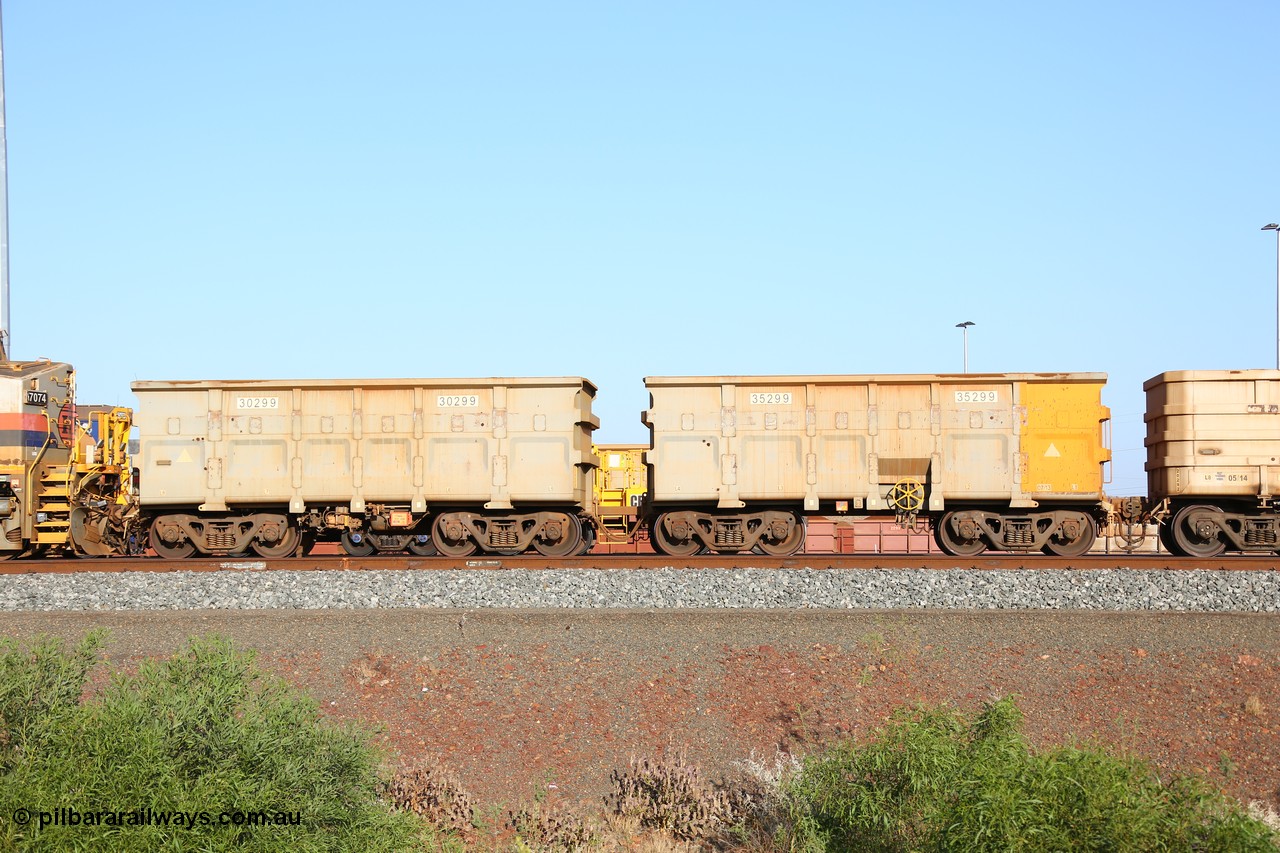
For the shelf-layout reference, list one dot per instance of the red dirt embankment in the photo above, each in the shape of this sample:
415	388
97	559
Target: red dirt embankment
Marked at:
516	701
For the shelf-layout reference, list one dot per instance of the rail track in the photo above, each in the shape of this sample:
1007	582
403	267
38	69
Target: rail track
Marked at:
322	563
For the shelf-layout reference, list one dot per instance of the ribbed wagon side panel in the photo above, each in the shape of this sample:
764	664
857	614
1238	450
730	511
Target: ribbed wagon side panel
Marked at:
1213	434
352	442
1016	438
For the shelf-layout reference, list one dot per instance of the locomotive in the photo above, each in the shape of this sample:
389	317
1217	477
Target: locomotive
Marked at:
1000	462
66	484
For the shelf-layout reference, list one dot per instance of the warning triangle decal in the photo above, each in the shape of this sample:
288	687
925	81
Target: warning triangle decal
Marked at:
1052	451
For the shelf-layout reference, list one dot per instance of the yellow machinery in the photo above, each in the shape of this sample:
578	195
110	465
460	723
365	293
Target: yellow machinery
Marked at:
101	486
66	485
620	487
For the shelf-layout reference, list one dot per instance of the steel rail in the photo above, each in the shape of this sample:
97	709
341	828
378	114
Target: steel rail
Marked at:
1028	562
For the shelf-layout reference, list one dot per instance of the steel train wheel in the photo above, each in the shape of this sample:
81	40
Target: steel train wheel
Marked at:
425	548
363	548
1081	545
1196	541
784	547
568	543
665	543
285	546
953	544
175	551
464	547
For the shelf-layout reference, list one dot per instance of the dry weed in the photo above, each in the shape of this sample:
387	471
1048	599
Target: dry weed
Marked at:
1253	706
433	794
771	774
552	829
1265	813
670	794
624	834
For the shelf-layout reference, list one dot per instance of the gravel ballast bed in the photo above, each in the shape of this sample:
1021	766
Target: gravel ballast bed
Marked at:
859	589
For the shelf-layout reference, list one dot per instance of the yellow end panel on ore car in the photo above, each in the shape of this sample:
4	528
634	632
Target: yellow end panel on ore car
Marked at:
1062	441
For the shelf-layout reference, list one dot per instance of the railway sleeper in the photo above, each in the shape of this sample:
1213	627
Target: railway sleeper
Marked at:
682	533
266	534
1064	533
550	533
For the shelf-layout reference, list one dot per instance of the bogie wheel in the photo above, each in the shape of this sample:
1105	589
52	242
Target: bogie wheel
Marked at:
568	543
170	551
787	546
1192	539
357	544
664	542
1074	548
285	546
955	545
588	541
458	547
422	546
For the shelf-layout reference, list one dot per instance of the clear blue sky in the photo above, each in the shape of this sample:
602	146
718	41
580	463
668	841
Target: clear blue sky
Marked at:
397	189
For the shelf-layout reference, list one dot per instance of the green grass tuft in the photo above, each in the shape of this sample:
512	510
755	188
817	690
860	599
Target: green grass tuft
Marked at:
935	780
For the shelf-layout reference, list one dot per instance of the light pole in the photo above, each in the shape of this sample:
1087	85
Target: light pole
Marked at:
1276	228
964	327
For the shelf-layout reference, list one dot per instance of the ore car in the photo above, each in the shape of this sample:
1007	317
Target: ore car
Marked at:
1010	462
456	466
1213	459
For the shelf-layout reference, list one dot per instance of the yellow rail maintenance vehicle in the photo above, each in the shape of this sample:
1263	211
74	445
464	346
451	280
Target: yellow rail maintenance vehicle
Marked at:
66	484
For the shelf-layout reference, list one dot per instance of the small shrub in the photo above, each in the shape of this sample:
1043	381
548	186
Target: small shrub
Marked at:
204	731
933	780
40	686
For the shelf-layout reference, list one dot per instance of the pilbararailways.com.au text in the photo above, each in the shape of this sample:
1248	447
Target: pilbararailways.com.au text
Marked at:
72	817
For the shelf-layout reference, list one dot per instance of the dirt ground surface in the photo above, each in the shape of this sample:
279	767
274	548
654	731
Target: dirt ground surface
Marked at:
521	703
